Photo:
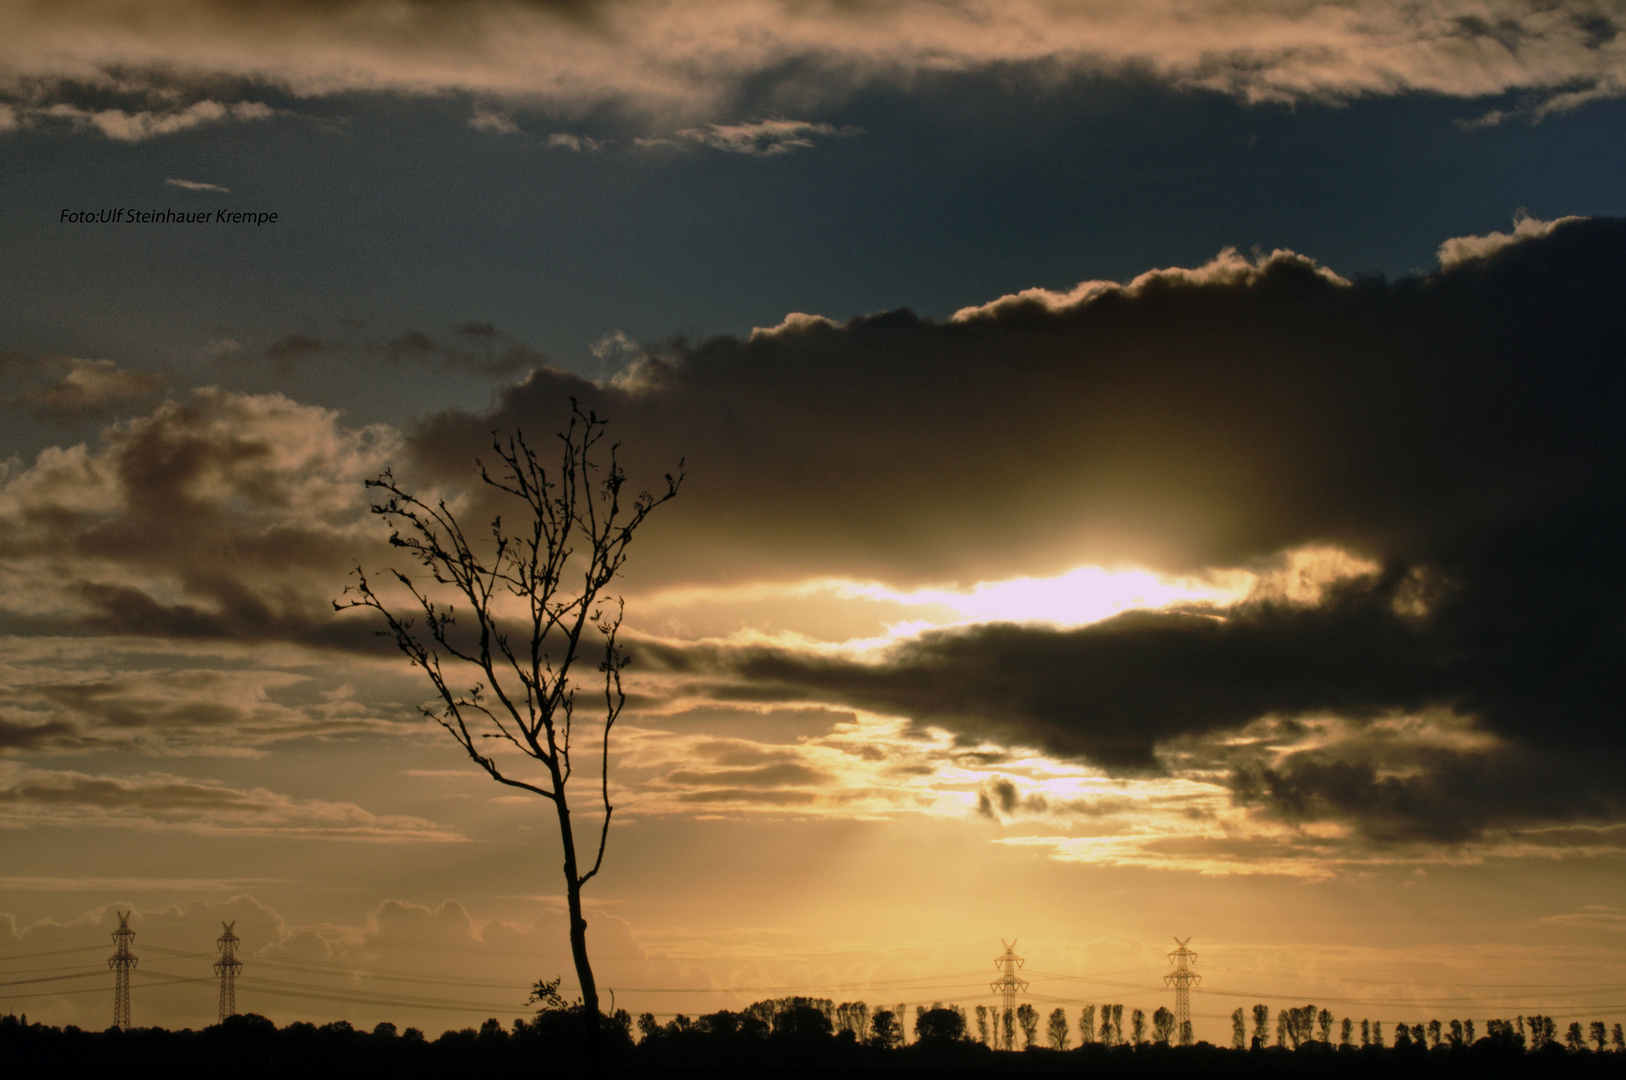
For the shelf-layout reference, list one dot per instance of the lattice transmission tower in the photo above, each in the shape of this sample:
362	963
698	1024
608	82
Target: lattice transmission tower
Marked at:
227	968
1182	979
1008	985
121	962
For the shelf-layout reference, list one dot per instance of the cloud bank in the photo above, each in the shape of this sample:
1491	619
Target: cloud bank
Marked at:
1451	439
695	57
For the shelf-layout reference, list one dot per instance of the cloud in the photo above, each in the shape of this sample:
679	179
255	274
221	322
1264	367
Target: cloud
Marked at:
1191	419
64	388
493	122
1453	438
1421	475
567	141
478	349
121	125
761	137
1464	249
31	797
212	518
196	185
697	56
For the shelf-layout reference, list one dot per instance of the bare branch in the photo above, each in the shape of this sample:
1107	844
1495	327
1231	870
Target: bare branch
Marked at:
555	567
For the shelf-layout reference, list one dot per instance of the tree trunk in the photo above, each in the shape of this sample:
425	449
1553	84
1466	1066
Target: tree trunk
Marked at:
578	929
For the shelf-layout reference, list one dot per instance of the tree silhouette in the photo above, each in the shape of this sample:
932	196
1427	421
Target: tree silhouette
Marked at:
1086	1024
1028	1017
1261	1023
939	1025
532	592
1239	1029
1163	1025
884	1031
1346	1032
1137	1027
1600	1034
1057	1030
982	1024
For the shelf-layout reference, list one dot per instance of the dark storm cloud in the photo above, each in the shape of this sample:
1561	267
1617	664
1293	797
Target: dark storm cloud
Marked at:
1459	429
1196	418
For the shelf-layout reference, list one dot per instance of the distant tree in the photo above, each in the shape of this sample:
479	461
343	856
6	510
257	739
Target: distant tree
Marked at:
1377	1033
1617	1039
1086	1024
1239	1029
1106	1025
1117	1023
1261	1022
1366	1033
938	1025
1418	1034
1137	1027
385	1030
1324	1022
1163	1025
1402	1036
1057	1030
1574	1040
1186	1037
982	1024
1433	1034
544	576
1468	1032
1456	1035
1600	1034
883	1030
1008	1028
1282	1027
853	1016
1519	1032
1028	1017
1346	1032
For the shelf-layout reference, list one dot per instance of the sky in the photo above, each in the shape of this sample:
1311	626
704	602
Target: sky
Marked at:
1148	473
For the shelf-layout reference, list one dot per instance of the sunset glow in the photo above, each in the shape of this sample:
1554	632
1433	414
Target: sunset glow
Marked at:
1090	474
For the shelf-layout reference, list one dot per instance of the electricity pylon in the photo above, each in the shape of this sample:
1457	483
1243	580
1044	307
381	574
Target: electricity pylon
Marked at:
121	962
227	968
1182	980
1008	985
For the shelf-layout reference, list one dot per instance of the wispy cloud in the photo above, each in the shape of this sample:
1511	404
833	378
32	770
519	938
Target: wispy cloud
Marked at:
195	185
762	137
32	797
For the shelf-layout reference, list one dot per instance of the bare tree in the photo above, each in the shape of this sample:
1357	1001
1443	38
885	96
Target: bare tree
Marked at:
531	592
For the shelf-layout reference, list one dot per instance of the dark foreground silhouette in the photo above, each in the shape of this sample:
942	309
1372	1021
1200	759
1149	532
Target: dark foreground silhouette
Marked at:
719	1044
